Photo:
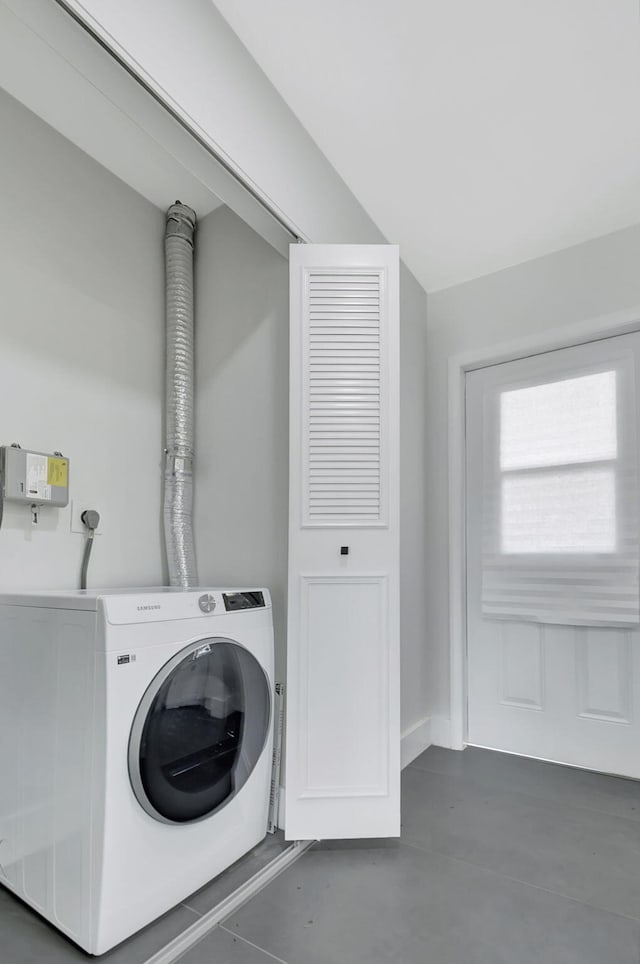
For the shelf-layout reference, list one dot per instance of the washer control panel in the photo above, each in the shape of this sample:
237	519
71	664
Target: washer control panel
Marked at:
249	599
127	607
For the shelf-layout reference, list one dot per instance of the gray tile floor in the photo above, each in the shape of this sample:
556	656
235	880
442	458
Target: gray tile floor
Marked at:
501	861
27	939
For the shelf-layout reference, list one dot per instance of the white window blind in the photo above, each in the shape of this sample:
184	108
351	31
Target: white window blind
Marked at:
560	495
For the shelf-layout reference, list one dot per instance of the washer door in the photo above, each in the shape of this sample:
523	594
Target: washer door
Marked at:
199	731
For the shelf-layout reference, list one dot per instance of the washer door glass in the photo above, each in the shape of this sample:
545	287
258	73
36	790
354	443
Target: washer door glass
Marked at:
199	731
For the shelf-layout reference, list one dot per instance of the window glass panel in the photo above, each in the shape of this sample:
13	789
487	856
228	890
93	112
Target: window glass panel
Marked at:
559	511
568	421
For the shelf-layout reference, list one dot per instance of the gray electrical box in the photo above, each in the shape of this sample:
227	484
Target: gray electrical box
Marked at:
34	478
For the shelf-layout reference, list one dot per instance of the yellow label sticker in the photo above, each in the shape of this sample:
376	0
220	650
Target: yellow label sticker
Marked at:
58	472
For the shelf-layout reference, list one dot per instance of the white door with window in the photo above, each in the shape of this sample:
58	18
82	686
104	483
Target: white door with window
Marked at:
552	556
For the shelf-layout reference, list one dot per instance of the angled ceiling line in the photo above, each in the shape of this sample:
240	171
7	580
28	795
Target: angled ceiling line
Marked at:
217	156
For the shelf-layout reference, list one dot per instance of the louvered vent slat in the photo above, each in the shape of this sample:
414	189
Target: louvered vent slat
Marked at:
343	412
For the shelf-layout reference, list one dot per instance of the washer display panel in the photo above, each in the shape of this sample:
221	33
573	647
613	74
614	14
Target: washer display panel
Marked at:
199	731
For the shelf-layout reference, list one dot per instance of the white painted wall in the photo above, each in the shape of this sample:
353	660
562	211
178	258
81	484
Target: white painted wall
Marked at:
81	361
589	280
242	412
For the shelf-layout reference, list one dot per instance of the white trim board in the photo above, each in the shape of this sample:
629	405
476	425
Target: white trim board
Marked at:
441	732
415	741
431	731
605	326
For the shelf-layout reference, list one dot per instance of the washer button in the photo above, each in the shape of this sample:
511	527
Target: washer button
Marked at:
207	603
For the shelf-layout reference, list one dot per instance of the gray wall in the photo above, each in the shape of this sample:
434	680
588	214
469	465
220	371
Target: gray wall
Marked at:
242	412
413	613
570	286
81	361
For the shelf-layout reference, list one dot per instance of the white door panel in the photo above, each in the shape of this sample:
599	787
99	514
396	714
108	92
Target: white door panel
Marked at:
343	740
561	692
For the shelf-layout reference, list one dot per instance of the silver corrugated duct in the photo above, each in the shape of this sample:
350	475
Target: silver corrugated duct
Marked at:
178	473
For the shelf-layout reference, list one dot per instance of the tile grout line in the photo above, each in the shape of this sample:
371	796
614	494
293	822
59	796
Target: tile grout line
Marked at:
413	845
207	922
200	913
523	793
251	944
192	909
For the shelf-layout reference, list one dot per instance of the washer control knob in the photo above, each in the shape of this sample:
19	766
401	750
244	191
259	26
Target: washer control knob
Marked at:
207	603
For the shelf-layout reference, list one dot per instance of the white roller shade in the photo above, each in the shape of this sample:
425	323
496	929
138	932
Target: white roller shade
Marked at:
560	518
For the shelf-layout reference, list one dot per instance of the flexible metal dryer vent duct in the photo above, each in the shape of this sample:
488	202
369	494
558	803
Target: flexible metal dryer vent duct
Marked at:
178	472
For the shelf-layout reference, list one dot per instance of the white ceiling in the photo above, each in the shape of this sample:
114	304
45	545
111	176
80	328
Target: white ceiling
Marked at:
476	133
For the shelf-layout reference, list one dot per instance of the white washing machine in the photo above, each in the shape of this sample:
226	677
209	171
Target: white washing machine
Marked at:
135	749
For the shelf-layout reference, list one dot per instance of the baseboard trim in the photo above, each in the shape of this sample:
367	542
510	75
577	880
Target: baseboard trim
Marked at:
441	733
415	741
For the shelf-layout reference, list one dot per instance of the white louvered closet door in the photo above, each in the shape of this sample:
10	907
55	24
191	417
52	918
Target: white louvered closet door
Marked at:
343	739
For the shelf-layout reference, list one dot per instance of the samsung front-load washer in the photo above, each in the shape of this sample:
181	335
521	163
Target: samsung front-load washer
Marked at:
135	749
